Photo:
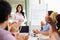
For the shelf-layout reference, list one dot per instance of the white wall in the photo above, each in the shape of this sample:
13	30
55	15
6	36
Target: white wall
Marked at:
53	5
37	11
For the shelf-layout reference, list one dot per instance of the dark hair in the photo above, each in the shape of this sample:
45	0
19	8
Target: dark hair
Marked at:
58	21
5	10
6	28
50	12
21	9
58	17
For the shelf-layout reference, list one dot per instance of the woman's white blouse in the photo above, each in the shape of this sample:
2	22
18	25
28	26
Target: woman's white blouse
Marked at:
19	17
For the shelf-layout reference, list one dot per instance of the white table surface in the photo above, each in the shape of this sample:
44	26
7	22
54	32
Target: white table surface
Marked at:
40	37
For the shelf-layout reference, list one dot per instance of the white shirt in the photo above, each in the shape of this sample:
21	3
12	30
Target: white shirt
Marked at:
18	16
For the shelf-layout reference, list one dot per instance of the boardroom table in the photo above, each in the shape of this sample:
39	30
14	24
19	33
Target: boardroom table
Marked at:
38	37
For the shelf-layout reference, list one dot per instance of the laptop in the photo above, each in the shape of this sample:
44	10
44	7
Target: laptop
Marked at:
24	29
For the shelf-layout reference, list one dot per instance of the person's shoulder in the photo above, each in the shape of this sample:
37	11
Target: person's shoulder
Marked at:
55	36
3	31
6	35
9	37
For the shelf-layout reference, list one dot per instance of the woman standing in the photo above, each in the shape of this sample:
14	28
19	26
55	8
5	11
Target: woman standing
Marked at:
19	15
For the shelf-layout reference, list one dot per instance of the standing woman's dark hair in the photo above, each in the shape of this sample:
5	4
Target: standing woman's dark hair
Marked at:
21	9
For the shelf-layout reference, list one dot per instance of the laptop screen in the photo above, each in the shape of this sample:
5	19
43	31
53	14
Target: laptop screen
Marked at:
24	29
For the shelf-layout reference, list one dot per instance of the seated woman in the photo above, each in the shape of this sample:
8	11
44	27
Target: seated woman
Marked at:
53	33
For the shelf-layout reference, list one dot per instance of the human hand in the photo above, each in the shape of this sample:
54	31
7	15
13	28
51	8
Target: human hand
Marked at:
15	24
20	37
36	31
26	37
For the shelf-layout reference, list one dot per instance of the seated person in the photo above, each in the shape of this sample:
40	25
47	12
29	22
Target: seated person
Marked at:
45	30
42	24
46	27
53	33
5	10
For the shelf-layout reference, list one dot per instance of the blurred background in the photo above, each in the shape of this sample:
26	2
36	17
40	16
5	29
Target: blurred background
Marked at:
35	10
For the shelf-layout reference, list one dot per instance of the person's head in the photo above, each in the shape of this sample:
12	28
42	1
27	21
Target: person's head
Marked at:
19	9
58	21
50	12
46	19
53	16
58	18
5	10
13	29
